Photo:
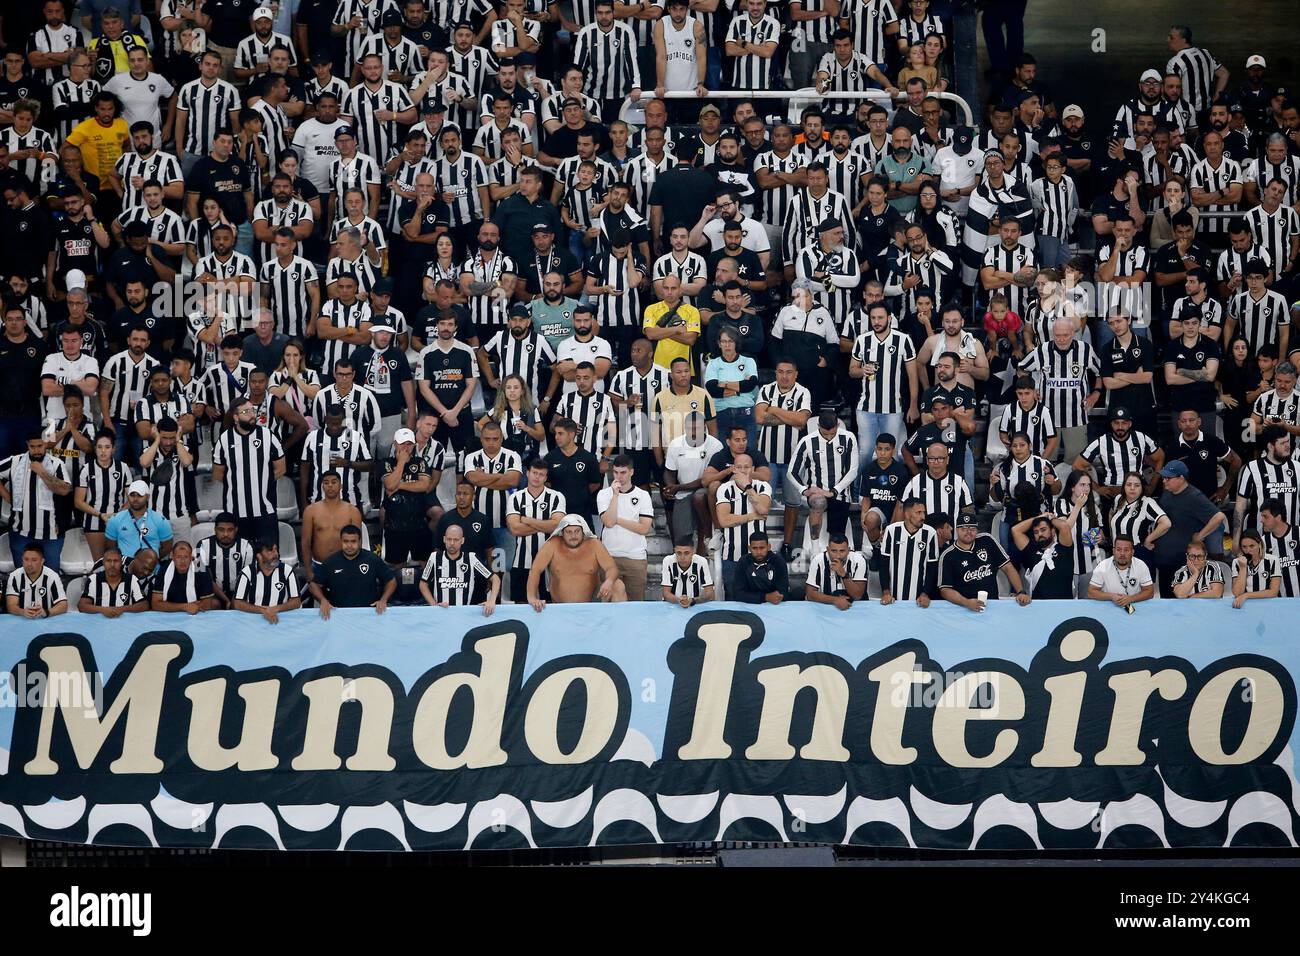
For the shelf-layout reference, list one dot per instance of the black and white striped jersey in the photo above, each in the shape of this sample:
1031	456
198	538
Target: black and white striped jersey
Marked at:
249	490
949	494
371	14
1033	470
1262	479
1115	297
222	385
1195	66
492	501
625	274
688	268
845	174
475	67
1259	320
566	173
488	311
579	202
65	94
292	213
1087	533
174	498
825	579
934	268
1114	459
181	587
401	57
44	591
404	177
689	581
313	88
1181	160
850	77
552	107
751	71
287	297
1065	378
806	213
267	590
360	408
130	379
1207	177
161	166
1285	548
915	31
32	500
443	91
1273	233
777	442
524	357
462	178
838	290
372	230
359	172
67	449
735	540
361	269
105	491
882	390
253	50
1209	575
505	173
831	464
164	225
50	39
1231	261
1275	408
543	507
199	235
208	107
594	416
1259	577
609	59
777	202
635	429
224	565
1135	518
460	582
321	448
1057	205
342	316
1211	311
908	559
1261	171
874	153
375	137
35	138
101	593
1035	421
867	22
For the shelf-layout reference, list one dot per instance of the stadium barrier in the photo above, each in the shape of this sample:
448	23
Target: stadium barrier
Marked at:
807	96
1059	725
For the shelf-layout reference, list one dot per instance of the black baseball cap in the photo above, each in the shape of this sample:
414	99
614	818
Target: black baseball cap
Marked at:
383	286
543	227
1120	414
967	520
345	131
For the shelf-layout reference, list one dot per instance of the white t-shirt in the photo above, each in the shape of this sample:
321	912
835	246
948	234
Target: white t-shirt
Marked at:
753	235
580	352
632	505
140	97
687	460
65	371
314	142
1114	581
958	172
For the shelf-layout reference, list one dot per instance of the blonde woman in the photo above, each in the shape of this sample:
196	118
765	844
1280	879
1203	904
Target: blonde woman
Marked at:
518	417
293	381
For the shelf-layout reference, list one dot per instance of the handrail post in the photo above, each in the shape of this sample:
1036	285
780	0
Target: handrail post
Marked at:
966	52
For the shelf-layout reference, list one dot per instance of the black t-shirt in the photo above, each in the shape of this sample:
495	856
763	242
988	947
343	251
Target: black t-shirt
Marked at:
748	265
428	35
94	341
571	476
1199	396
386	380
447	374
161	329
725	459
1201	456
959	395
534	266
26	87
435	216
1167	261
127	266
178	591
739	175
969	572
755	581
224	182
563	143
683	192
1138	356
876	231
476	527
230	19
949	434
1054	582
74	243
884	486
358	582
20	376
404	510
425	326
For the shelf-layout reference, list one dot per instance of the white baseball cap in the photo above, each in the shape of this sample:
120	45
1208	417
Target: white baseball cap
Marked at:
261	12
75	279
138	487
402	436
1150	75
1074	109
1255	60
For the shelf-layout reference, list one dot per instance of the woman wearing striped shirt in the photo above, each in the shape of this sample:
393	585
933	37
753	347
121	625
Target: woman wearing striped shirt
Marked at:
1088	530
1254	573
444	268
1199	577
293	381
100	492
1138	516
198	235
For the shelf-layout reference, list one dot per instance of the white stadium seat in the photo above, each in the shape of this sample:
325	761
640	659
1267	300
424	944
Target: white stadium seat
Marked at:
76	587
289	545
210	502
6	559
76	558
286	498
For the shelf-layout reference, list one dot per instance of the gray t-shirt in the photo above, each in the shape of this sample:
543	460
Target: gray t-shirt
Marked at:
1188	512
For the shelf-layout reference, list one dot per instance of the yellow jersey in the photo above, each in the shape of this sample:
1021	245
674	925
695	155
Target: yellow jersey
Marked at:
670	410
101	146
666	349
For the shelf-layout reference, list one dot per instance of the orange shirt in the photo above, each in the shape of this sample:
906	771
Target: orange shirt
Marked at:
101	146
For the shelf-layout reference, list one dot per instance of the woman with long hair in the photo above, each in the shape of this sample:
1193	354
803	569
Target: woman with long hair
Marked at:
520	422
444	266
940	225
935	46
1089	530
101	492
1136	514
1239	383
293	381
198	235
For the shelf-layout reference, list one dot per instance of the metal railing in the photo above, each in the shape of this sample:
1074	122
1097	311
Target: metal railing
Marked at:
808	95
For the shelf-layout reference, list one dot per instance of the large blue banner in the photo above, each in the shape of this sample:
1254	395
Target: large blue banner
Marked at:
1059	725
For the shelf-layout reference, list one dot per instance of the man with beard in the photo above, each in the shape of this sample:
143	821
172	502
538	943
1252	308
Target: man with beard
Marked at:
1122	450
248	461
517	349
1043	544
352	577
224	555
385	370
111	592
580	568
544	257
970	566
583	346
519	215
145	164
448	382
831	267
749	267
735	172
269	587
553	312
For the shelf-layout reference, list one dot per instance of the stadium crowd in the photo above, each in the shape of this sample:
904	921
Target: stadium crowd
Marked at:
503	290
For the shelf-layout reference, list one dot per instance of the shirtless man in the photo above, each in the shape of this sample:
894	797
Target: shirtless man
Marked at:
323	520
578	562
